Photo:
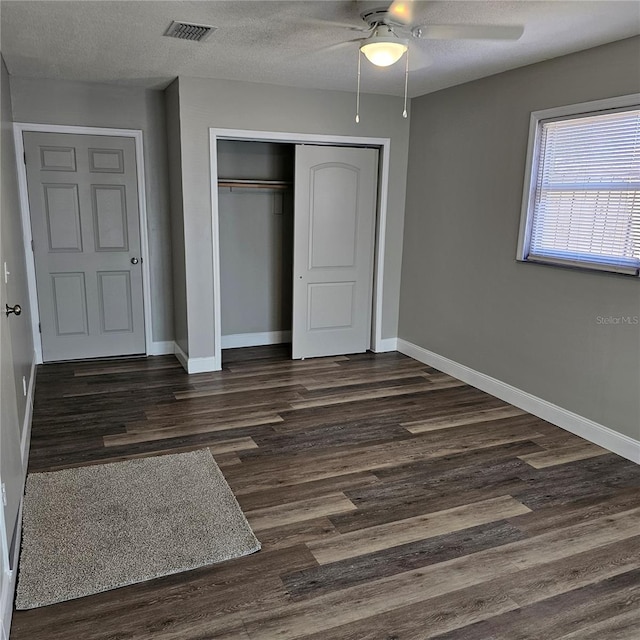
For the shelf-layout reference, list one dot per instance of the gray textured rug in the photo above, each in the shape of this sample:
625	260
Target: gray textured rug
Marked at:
96	528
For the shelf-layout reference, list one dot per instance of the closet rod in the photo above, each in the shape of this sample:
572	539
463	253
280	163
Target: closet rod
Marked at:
255	184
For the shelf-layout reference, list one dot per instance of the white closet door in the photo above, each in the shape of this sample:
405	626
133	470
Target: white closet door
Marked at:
334	222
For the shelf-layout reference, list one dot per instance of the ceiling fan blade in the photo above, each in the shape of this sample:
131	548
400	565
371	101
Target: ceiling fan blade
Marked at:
401	11
340	45
468	32
339	25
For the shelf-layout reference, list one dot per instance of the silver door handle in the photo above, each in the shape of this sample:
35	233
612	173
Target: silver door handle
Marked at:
134	261
17	309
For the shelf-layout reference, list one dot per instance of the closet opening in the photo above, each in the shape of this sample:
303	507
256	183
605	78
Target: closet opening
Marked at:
298	241
255	226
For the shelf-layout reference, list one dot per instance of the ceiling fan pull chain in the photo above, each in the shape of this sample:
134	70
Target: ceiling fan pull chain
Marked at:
406	84
358	92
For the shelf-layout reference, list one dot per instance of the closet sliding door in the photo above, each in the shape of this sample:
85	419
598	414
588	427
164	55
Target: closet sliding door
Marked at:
334	232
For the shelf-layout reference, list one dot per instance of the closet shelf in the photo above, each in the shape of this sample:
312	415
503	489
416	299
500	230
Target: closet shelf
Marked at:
254	184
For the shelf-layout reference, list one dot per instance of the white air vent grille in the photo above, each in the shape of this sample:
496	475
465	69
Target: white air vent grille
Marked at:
188	31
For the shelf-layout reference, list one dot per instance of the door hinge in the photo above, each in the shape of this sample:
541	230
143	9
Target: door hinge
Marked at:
39	327
32	247
4	494
24	157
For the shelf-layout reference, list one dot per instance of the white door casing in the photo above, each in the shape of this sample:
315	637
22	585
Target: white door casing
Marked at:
152	348
334	223
85	227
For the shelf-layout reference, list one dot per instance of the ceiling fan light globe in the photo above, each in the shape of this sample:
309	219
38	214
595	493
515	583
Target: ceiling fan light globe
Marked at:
383	54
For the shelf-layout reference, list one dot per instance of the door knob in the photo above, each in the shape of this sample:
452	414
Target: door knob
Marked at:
17	309
134	261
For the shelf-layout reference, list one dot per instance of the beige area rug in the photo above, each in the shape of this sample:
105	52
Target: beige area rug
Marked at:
96	528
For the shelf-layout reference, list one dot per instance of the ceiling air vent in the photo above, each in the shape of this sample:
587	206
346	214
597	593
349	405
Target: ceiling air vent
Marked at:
188	31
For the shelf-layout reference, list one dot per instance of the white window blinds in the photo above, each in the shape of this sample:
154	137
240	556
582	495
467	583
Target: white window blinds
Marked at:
585	210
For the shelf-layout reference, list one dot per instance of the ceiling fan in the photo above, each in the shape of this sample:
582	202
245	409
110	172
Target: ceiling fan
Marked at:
390	30
394	26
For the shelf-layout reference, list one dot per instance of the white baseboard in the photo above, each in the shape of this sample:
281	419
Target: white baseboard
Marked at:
182	357
164	348
588	429
28	415
195	365
202	365
237	340
387	344
9	579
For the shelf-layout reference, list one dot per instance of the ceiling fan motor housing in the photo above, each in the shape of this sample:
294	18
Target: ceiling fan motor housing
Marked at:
374	17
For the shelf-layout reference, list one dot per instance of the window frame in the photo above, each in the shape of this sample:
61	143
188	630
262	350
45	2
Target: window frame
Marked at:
594	107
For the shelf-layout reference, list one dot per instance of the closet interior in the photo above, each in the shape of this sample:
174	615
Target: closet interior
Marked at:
255	202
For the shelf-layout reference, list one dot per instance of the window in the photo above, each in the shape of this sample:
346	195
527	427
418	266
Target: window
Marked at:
581	203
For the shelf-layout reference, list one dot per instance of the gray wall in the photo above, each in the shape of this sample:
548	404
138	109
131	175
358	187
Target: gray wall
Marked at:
239	105
101	105
13	253
463	294
256	238
176	213
247	160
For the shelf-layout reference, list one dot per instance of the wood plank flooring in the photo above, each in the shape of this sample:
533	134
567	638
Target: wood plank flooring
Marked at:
392	501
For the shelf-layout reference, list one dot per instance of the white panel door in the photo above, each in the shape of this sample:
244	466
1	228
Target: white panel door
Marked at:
334	222
83	198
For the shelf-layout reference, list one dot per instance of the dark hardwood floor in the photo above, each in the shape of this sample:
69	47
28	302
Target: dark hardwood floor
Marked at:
393	502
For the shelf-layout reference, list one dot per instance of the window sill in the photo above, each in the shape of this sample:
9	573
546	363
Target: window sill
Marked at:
586	267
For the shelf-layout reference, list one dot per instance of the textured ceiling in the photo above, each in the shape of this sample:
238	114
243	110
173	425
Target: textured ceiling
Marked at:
281	42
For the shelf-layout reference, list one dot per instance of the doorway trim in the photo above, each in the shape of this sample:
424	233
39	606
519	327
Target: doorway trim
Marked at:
382	144
18	129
